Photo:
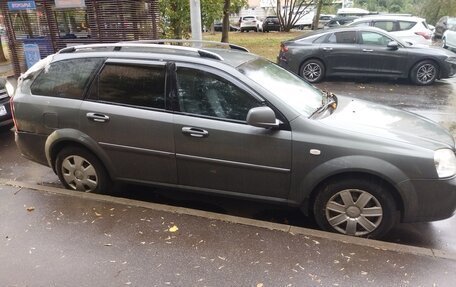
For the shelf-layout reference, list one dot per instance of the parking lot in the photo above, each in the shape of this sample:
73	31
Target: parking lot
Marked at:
437	102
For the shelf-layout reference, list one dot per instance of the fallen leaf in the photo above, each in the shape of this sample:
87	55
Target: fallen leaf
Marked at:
97	214
31	208
173	229
260	285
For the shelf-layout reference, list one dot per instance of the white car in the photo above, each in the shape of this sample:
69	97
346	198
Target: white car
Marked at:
407	28
449	38
247	23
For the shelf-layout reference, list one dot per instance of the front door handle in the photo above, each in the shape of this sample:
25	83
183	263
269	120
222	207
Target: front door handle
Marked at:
99	118
195	132
327	49
368	50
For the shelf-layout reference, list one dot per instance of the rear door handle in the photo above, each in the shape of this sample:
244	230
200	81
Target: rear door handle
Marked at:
368	50
195	132
327	49
99	118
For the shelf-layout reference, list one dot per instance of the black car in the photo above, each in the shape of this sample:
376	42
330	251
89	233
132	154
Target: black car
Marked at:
340	21
271	23
218	26
365	52
6	121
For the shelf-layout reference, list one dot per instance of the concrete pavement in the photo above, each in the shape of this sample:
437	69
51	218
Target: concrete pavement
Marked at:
55	237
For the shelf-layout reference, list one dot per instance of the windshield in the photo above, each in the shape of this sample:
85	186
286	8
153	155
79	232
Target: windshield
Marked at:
290	88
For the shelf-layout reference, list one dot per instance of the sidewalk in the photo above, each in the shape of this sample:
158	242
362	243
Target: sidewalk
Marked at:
54	237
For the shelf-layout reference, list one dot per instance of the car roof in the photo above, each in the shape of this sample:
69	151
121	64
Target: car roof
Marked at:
229	55
315	34
390	17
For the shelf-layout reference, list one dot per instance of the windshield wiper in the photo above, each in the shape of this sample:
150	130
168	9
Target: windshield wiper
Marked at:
330	100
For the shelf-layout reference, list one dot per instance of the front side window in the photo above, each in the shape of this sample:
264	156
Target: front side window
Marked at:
65	79
206	94
372	38
132	85
347	37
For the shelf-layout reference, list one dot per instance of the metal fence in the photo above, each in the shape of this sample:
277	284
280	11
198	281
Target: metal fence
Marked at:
100	21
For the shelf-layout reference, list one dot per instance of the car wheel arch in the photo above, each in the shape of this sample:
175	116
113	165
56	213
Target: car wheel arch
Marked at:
361	167
60	139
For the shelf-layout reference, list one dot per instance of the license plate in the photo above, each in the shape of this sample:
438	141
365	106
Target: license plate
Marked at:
2	110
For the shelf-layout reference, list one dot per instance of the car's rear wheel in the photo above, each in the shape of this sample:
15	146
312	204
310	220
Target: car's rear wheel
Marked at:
424	73
313	70
355	207
78	169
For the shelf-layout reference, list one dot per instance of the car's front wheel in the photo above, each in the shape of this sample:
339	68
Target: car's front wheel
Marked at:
78	169
424	73
356	207
313	70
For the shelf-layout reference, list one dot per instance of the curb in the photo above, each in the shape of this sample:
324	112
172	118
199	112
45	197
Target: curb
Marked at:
379	245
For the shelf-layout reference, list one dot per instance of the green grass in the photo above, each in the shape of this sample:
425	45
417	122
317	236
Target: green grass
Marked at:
263	44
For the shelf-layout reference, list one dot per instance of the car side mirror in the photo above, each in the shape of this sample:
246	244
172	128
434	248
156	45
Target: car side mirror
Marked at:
262	117
393	45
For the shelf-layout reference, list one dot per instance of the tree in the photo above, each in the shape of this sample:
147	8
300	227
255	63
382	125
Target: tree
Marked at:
290	11
226	21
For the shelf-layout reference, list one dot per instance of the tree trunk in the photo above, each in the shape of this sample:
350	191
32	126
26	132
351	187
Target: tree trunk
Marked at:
316	18
2	53
226	21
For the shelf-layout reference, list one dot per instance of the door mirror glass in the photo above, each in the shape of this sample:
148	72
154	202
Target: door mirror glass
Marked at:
393	45
263	117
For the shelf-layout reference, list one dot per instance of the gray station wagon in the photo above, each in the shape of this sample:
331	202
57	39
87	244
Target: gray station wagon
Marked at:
228	122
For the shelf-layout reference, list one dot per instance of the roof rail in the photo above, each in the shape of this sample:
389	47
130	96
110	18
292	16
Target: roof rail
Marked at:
195	43
117	47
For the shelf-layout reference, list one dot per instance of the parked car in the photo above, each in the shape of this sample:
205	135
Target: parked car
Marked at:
250	23
442	25
407	28
339	21
6	120
364	52
218	27
449	37
231	123
271	23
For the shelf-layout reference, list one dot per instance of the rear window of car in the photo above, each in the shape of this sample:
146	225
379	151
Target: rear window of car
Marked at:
66	79
347	37
142	86
406	25
249	18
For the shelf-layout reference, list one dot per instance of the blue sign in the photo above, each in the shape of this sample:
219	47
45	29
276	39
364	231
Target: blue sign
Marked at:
32	54
21	5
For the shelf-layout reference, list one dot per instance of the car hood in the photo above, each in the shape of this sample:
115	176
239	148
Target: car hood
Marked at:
431	50
389	123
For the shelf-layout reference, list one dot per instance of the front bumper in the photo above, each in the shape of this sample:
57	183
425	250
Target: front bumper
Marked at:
428	200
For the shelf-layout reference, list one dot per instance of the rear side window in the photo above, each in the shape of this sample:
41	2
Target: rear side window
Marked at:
385	25
406	25
65	79
132	85
348	37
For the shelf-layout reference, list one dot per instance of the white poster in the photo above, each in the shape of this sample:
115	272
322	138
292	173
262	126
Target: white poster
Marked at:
69	4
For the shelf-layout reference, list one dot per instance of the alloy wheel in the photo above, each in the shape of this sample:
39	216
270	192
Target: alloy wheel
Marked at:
426	73
354	212
312	71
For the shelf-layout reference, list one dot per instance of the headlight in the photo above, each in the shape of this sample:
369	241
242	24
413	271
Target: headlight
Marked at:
445	162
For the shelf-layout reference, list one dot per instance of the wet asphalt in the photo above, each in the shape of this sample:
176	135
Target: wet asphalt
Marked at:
437	102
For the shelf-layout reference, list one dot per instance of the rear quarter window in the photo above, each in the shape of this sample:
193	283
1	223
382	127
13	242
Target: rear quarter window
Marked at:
66	79
406	25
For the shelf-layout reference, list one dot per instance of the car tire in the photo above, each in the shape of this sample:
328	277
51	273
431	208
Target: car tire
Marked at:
312	70
78	169
424	73
356	207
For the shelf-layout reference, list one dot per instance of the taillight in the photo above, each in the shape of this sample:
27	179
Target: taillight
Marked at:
283	48
425	35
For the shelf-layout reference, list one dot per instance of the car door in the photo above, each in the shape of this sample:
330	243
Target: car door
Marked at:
215	148
382	61
342	54
125	113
